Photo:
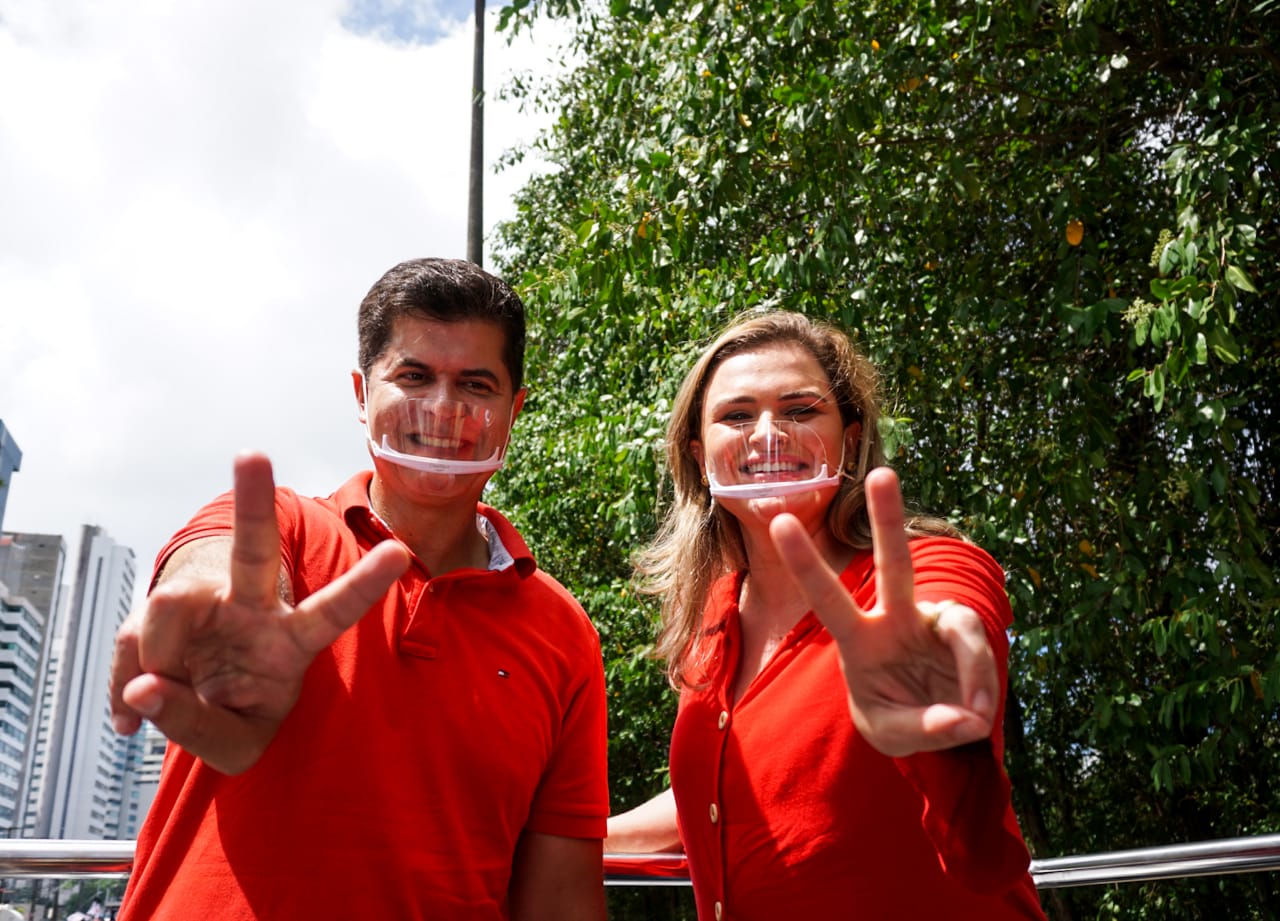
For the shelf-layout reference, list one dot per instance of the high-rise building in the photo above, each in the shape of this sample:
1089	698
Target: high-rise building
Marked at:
19	662
10	459
144	756
64	773
85	758
31	567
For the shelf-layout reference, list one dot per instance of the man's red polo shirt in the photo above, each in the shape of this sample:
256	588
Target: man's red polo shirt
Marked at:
460	712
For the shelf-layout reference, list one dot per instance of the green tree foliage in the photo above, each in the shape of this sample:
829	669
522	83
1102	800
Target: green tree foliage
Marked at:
1054	226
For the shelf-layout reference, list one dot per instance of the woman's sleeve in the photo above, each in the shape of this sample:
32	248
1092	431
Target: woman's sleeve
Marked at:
968	812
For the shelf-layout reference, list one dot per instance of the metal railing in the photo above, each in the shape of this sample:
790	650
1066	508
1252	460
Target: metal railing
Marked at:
53	858
1174	861
37	858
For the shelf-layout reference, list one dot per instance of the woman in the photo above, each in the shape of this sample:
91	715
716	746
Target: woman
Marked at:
837	751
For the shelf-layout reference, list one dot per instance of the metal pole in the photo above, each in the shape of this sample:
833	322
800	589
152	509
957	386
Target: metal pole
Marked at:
475	197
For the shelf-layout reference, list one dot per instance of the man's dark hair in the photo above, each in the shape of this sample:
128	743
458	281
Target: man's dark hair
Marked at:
448	290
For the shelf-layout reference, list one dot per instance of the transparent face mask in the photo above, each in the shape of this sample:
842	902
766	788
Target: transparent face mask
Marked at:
765	459
444	437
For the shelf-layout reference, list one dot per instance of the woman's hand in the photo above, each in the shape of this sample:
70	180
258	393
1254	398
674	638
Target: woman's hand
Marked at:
920	676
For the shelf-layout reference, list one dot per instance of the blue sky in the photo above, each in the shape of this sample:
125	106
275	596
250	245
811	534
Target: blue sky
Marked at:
420	23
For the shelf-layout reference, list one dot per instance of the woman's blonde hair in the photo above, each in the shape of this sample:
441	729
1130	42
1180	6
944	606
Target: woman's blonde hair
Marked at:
698	541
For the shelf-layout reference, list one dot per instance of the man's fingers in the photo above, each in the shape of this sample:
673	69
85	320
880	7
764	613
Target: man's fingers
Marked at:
227	741
895	580
821	587
322	617
124	668
164	629
255	537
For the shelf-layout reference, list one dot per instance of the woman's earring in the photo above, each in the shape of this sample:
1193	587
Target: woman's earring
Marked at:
851	455
705	481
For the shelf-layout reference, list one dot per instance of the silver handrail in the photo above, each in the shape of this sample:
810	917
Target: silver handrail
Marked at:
36	858
1175	861
1205	858
58	858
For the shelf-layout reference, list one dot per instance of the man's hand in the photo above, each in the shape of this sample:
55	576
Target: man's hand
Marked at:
217	664
920	677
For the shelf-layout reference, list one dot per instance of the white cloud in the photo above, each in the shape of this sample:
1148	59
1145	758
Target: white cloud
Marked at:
196	196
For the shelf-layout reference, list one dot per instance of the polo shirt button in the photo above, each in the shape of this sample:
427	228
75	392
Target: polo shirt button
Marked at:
714	812
719	911
724	718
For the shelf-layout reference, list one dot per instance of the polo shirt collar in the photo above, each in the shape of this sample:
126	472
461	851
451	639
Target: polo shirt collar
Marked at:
510	538
352	499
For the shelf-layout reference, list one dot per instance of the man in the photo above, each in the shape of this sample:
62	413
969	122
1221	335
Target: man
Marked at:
435	750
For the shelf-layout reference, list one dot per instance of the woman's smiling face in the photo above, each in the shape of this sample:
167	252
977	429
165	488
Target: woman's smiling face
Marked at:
746	397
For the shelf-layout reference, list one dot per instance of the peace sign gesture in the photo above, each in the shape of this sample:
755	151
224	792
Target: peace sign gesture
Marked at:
920	677
214	656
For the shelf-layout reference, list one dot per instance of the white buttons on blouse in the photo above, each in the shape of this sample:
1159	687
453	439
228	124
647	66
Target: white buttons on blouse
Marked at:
714	811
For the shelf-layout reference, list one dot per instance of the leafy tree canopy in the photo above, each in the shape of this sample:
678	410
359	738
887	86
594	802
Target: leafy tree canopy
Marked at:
1054	227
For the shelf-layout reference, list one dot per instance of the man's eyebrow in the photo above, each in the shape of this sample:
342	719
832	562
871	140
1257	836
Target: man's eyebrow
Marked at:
406	362
420	365
484	373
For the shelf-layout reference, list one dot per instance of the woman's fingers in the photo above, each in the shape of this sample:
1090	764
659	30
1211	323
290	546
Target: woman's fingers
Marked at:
821	587
961	630
895	578
900	732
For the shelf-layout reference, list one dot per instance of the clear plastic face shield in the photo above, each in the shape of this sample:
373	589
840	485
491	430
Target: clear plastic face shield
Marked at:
444	437
765	459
